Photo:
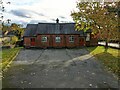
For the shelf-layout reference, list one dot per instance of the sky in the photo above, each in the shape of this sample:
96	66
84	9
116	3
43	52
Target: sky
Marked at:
34	11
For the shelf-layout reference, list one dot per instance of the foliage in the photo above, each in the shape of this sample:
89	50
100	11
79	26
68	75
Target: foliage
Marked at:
18	30
99	18
109	57
5	42
14	39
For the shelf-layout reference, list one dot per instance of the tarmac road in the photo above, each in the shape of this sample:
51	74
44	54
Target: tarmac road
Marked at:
57	68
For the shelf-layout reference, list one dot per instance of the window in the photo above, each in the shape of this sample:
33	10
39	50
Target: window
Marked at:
44	38
32	39
57	39
71	39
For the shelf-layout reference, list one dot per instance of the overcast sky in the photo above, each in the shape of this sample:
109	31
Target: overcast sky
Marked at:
34	11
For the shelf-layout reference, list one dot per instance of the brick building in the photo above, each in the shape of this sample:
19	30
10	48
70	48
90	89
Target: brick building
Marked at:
58	35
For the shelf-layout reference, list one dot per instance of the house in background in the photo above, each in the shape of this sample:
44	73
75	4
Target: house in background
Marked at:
6	37
58	35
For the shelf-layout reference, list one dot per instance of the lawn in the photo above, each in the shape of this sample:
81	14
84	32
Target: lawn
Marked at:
109	57
8	55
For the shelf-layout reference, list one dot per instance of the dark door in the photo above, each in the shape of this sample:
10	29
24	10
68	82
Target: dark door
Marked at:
82	41
32	41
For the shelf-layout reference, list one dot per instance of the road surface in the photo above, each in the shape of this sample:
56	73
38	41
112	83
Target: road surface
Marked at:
57	68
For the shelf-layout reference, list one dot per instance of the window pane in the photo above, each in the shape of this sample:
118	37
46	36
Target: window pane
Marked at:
71	39
57	39
44	39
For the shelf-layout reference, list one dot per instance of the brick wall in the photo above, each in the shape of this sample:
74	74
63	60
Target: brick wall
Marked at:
51	42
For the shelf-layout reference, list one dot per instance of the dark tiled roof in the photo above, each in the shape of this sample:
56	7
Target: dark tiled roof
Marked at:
31	30
52	28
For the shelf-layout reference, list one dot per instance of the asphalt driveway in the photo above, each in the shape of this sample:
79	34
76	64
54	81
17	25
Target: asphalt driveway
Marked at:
57	68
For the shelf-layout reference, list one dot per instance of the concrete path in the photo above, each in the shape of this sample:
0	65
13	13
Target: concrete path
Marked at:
57	68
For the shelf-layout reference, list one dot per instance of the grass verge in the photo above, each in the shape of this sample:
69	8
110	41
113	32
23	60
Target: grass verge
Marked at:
109	57
8	55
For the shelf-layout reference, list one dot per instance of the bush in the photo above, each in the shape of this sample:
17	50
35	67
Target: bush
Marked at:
5	42
14	39
19	43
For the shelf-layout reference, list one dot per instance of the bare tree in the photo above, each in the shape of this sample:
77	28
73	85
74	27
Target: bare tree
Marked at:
2	10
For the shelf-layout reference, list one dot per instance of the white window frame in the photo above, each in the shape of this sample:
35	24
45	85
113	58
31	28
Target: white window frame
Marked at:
57	39
71	38
44	39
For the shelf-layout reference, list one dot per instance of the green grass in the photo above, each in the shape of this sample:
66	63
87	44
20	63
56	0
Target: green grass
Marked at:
109	57
7	55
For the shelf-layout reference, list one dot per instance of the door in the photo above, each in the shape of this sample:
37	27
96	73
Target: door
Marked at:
82	41
32	41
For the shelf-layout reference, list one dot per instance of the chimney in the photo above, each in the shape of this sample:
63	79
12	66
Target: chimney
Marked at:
57	20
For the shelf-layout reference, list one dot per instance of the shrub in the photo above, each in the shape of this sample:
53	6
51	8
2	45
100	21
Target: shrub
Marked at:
5	42
14	39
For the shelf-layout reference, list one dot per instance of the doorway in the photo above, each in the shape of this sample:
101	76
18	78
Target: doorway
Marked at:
82	41
32	41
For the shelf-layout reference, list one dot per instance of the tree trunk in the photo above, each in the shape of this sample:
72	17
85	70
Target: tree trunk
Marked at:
106	43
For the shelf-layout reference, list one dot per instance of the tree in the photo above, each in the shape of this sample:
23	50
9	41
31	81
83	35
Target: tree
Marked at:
2	10
97	17
18	29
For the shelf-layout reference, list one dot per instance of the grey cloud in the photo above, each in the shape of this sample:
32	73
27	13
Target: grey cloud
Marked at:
43	21
26	2
25	13
66	22
59	17
40	14
63	21
62	17
37	21
20	13
34	21
53	19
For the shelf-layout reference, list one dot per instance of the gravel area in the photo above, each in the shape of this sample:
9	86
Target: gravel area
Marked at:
57	68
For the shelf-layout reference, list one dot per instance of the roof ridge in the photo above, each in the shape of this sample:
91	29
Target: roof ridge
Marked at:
56	23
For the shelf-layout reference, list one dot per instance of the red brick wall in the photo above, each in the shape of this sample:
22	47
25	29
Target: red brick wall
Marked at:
27	41
58	44
72	44
43	44
51	42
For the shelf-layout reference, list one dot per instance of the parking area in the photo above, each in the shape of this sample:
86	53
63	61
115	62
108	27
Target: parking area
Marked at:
57	68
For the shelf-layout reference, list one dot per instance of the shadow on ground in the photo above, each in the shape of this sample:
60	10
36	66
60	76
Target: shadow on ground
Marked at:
57	68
